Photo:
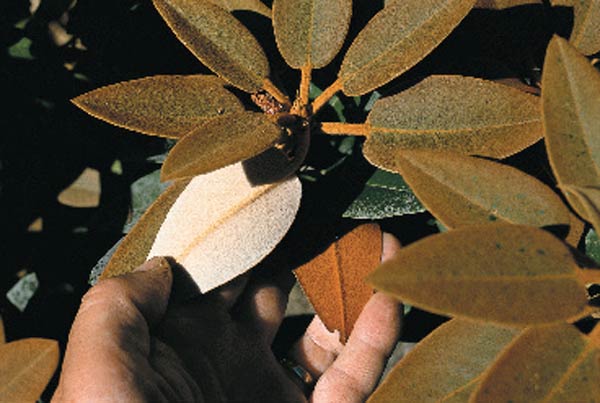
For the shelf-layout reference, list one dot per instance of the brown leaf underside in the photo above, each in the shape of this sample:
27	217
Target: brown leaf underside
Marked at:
245	5
586	28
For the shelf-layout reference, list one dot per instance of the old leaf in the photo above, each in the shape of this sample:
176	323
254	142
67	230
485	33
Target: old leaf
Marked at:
547	363
256	6
502	4
449	359
501	273
334	281
589	198
463	114
166	106
461	190
134	248
219	40
310	33
84	192
586	28
576	229
571	117
220	142
221	226
26	367
396	39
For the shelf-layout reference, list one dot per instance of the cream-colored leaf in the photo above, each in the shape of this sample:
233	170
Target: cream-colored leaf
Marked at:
84	192
256	6
463	114
502	4
221	225
571	117
586	28
219	40
26	367
449	359
166	106
396	39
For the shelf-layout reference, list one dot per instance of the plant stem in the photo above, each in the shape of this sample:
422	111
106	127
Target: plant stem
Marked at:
276	92
326	95
306	75
353	129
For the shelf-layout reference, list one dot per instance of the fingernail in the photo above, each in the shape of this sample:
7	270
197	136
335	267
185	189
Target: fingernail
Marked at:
156	263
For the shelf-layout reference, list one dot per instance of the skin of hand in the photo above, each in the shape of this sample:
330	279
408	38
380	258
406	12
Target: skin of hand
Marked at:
134	340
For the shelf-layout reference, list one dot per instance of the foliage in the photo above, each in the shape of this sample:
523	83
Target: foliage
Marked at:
504	269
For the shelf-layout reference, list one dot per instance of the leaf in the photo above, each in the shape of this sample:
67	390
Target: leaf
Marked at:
462	114
586	28
144	192
461	190
500	273
334	281
576	229
2	333
396	39
548	363
244	5
166	106
134	248
502	4
592	245
220	142
26	367
84	192
221	226
385	195
218	40
310	33
21	49
450	358
589	198
571	117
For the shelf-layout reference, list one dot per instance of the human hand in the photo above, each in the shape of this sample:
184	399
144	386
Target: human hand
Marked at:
129	343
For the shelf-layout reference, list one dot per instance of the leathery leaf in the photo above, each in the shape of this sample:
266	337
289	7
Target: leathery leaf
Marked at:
221	225
26	367
166	106
396	39
586	28
256	6
310	33
500	273
220	142
449	359
219	40
464	114
547	363
502	4
571	117
589	198
334	281
461	190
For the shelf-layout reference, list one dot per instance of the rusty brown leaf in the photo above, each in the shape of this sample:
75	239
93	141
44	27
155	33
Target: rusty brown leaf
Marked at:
586	28
502	4
500	273
589	198
166	106
256	6
26	367
2	333
334	281
463	114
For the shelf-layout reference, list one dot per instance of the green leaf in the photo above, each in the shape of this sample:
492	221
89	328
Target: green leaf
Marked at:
463	114
586	28
499	273
21	49
450	358
571	115
244	5
220	142
167	106
592	245
144	192
218	40
310	33
461	190
385	195
396	39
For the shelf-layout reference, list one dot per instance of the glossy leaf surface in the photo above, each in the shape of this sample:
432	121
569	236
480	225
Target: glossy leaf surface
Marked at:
219	40
396	39
500	273
256	6
166	106
502	4
548	363
221	226
334	281
461	190
586	28
385	195
571	115
310	33
134	248
448	359
220	142
462	114
26	367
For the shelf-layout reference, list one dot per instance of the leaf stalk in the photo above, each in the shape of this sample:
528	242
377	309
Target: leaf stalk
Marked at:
326	95
343	129
276	92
